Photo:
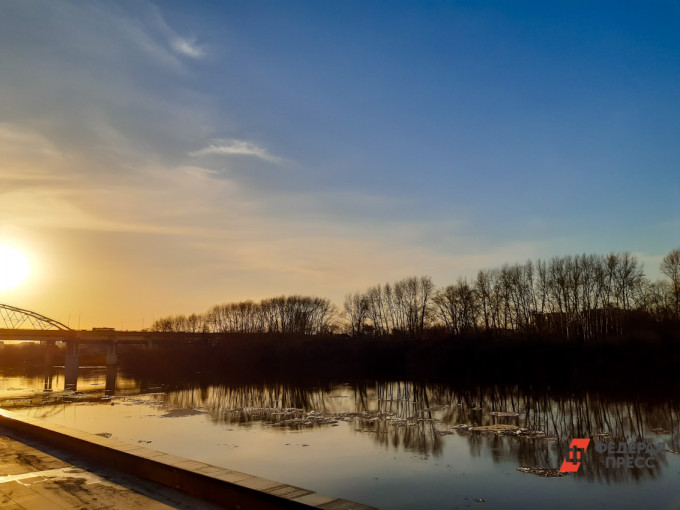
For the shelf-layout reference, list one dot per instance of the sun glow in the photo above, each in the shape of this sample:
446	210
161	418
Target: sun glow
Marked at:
14	267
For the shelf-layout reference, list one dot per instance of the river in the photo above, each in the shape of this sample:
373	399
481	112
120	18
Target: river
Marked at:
391	444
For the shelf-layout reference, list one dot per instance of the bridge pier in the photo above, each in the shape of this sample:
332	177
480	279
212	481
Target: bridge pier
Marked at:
111	367
111	354
71	366
72	363
48	355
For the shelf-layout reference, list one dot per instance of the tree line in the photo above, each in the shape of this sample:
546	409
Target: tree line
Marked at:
300	315
582	296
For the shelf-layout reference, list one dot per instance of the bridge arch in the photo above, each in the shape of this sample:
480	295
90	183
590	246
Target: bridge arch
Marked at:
18	318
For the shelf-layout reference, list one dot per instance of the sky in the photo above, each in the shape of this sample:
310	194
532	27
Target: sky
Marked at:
162	157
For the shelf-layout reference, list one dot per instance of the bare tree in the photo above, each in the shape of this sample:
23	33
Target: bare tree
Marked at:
356	312
629	277
456	306
378	308
412	303
670	266
483	285
658	300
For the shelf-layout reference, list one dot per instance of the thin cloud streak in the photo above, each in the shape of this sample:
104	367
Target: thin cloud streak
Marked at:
237	148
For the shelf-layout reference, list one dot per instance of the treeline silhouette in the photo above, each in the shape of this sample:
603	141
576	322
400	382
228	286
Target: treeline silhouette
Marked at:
300	315
581	297
586	321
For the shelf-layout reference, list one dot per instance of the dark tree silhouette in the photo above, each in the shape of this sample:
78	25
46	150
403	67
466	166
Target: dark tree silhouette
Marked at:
670	266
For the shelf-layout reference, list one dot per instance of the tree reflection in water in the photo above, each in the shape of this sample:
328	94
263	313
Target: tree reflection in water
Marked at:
534	428
526	426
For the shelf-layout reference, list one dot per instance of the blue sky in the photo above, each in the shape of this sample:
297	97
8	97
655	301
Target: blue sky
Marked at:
183	154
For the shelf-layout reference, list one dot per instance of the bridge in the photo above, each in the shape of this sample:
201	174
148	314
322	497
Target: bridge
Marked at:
26	325
19	324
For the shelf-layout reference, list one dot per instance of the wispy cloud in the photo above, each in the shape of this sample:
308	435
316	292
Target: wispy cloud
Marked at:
183	45
187	47
237	148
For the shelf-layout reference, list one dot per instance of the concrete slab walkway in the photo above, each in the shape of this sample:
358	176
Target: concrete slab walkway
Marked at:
35	476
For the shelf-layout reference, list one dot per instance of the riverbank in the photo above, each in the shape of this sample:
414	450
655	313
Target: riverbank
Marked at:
642	363
35	476
621	365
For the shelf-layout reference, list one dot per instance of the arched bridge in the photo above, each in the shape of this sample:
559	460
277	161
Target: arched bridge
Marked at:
12	317
25	325
20	324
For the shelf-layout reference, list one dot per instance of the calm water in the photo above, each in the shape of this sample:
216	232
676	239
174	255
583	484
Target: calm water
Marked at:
394	445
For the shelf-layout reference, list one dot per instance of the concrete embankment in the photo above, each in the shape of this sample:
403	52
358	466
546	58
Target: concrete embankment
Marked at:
225	487
36	476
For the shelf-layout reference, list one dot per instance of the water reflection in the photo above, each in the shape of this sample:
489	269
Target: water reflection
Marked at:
529	428
505	423
49	379
97	384
111	376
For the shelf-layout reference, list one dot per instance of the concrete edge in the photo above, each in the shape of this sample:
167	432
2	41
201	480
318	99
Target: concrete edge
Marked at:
212	483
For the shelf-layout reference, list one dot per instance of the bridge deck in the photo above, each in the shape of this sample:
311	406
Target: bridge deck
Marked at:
121	337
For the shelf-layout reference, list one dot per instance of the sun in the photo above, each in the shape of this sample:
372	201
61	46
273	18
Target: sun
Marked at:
14	267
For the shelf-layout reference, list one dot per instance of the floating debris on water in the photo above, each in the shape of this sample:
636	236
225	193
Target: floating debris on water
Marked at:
309	420
177	413
542	472
498	428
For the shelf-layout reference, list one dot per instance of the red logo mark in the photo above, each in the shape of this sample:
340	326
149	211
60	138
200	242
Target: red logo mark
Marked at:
572	461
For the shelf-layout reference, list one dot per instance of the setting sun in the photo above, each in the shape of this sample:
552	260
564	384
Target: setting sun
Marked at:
14	267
